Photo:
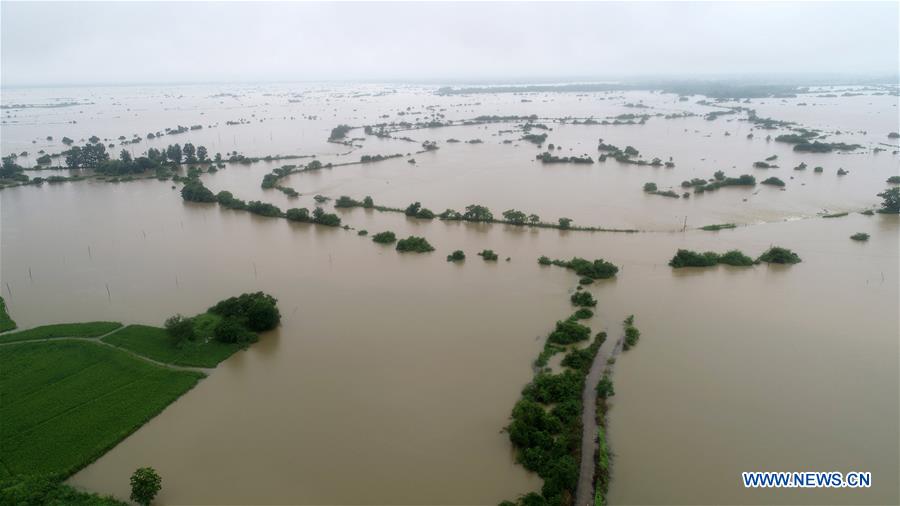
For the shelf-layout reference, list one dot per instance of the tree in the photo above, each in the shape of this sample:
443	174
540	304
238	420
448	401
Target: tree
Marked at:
297	214
173	152
476	212
368	203
145	484
202	154
890	200
194	191
515	217
534	219
190	153
565	223
605	387
180	328
412	209
125	156
10	168
650	187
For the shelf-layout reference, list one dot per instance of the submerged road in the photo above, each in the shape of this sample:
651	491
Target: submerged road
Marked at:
584	492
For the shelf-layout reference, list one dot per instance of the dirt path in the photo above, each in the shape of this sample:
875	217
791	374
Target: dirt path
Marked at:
584	492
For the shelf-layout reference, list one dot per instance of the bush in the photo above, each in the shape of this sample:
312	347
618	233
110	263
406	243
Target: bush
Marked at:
425	214
488	255
229	330
456	256
583	299
227	200
263	209
145	484
257	311
583	314
687	258
194	191
297	214
345	201
778	255
860	236
568	332
180	327
736	258
384	237
605	387
414	244
363	233
544	260
773	181
650	187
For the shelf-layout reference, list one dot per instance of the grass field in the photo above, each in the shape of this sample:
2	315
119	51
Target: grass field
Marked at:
6	323
65	403
85	329
155	343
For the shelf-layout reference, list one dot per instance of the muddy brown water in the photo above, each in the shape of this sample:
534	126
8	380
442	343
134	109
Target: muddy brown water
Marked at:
392	376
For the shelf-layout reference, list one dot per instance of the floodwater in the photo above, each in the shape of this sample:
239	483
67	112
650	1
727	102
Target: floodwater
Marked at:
392	376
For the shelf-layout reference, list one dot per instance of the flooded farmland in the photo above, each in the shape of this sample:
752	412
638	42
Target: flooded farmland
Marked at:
392	376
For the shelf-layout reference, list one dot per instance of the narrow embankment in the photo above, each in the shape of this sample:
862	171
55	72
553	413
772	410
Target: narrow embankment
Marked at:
584	493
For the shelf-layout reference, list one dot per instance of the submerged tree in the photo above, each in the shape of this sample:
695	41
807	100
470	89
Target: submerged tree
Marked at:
145	484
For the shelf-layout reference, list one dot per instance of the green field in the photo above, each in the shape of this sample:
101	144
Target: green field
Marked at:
85	329
6	323
156	343
65	403
41	491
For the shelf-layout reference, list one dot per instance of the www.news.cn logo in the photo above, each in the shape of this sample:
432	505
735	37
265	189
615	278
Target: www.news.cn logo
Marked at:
834	479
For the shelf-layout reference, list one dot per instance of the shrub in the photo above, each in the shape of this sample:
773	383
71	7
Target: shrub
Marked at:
345	201
688	258
263	209
145	484
890	201
650	187
425	214
778	255
257	311
327	219
860	236
363	232
229	330
227	200
773	181
583	299
568	332
414	244
456	256
488	255
583	314
297	214
605	387
194	191
180	327
544	260
736	258
387	237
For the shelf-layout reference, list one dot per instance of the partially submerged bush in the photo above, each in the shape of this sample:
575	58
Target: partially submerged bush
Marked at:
779	255
583	299
256	311
387	237
488	255
456	256
688	258
414	244
569	332
860	236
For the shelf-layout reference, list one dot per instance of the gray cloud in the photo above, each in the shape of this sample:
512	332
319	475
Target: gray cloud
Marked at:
84	43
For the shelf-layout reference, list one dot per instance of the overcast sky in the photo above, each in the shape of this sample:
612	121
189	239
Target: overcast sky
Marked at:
93	43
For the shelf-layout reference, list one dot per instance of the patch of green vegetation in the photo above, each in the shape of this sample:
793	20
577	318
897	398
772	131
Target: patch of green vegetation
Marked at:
384	237
583	299
597	269
86	329
824	147
632	334
582	314
860	236
568	332
893	180
779	255
37	491
6	322
456	256
488	255
773	181
890	201
688	258
835	215
65	403
414	244
721	226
